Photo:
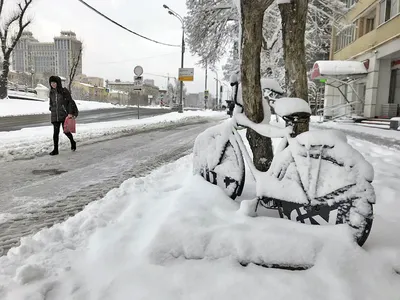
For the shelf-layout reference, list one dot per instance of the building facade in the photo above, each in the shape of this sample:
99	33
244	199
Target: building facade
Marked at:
95	81
148	93
372	36
54	58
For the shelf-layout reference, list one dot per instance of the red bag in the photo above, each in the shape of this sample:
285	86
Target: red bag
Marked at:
70	125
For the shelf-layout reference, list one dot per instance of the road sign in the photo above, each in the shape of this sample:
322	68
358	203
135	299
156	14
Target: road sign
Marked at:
138	70
186	74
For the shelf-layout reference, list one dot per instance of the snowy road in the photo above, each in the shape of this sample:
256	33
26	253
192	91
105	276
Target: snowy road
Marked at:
99	115
40	192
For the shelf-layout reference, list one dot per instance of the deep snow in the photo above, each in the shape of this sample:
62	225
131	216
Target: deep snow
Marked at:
16	107
170	235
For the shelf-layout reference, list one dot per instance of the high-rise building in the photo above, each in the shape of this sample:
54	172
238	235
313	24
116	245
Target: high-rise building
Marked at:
55	58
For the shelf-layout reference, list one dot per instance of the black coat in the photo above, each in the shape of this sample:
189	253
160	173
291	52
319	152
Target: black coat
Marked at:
60	101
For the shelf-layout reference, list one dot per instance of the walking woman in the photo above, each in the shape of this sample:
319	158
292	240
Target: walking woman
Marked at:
61	107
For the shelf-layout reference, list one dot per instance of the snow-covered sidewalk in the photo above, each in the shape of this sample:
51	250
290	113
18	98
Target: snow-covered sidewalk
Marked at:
19	107
37	141
390	138
171	235
16	107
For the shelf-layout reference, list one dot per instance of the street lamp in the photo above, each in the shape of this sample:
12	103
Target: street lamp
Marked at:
175	14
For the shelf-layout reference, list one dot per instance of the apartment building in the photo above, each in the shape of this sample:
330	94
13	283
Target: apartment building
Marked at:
371	36
55	58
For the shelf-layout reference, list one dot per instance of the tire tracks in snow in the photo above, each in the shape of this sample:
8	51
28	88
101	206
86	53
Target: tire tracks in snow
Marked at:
31	221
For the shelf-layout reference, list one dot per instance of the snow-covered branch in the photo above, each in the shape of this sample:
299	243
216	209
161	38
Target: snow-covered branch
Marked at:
210	26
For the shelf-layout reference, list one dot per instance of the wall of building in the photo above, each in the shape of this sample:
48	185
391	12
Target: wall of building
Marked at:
53	58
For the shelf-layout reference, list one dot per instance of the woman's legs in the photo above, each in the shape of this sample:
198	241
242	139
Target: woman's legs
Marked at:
56	133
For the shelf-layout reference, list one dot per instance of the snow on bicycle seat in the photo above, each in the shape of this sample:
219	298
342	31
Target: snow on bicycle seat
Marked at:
291	106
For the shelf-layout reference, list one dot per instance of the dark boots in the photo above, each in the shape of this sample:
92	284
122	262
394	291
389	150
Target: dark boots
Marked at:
73	145
54	152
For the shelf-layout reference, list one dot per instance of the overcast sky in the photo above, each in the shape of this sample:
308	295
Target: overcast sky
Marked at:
111	52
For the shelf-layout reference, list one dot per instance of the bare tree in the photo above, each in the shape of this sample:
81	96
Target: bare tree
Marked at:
252	15
75	61
9	42
294	20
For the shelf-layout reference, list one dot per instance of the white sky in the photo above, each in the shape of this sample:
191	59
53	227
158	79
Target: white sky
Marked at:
111	52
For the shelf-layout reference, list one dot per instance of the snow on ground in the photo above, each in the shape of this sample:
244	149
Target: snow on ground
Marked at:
36	141
364	128
171	235
16	107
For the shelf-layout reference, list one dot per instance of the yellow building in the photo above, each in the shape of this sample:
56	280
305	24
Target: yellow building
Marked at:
372	37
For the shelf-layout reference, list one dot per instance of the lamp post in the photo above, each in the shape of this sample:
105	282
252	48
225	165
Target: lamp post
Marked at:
216	90
175	14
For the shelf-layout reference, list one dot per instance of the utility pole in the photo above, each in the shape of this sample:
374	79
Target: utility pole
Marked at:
216	92
205	89
179	17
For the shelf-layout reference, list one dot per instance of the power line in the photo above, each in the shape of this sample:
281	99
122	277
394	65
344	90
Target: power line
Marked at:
164	76
116	23
136	59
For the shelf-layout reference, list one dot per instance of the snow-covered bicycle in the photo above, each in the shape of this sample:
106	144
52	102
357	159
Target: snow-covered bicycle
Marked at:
315	178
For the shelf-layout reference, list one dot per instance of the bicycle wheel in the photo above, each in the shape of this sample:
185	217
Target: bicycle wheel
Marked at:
330	183
325	214
218	159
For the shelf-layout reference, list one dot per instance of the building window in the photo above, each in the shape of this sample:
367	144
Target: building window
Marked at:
345	37
350	3
370	24
389	9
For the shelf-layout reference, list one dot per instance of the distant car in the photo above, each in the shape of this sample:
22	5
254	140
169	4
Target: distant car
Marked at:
174	107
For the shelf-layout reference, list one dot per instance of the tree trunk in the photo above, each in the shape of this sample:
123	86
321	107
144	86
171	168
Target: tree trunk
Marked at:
252	14
4	77
294	18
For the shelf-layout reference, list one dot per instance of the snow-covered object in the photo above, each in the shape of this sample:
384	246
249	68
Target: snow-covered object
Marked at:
209	145
340	165
235	77
288	106
283	1
216	156
42	91
320	167
170	215
263	128
271	84
323	68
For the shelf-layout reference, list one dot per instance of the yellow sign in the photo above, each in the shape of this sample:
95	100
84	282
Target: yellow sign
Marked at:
185	78
186	74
